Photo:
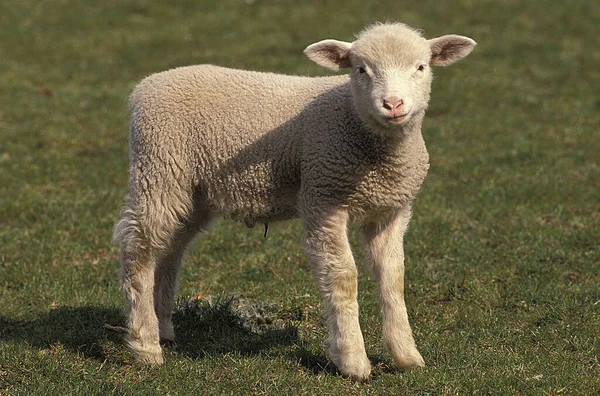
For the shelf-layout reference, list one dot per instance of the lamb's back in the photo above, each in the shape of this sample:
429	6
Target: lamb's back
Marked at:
237	134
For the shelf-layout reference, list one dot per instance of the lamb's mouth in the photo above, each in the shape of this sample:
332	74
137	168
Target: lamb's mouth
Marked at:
398	118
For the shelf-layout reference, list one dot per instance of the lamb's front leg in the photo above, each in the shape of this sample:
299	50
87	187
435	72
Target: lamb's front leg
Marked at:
333	265
385	251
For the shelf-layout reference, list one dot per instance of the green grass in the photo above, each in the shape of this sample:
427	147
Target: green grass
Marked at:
503	257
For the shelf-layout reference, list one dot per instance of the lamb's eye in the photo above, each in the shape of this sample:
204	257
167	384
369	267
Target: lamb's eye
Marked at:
361	70
421	68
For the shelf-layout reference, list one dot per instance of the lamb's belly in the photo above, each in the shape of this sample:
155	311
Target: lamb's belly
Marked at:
254	199
274	207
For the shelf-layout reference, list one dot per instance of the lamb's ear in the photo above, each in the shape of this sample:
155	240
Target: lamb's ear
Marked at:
332	54
446	50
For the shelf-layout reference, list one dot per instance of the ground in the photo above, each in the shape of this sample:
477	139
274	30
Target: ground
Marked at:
502	253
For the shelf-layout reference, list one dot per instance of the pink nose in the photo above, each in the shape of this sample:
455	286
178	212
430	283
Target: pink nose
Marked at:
393	103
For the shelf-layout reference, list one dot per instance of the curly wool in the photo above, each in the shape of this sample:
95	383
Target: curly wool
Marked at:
245	142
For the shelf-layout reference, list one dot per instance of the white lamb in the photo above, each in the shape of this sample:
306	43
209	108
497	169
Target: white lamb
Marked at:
260	147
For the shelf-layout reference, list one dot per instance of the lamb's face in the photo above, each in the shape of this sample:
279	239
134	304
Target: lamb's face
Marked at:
390	70
390	76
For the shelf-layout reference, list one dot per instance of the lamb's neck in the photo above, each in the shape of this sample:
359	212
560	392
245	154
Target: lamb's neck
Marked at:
399	139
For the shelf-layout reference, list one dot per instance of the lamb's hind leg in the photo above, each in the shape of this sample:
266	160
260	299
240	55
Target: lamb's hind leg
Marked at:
138	262
386	253
146	231
165	276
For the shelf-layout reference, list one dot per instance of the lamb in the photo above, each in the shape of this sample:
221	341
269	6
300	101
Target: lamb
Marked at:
256	147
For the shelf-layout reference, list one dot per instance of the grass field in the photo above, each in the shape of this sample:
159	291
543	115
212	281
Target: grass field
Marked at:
503	256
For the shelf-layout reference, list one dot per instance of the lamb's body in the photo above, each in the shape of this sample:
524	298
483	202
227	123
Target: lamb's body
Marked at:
207	128
261	147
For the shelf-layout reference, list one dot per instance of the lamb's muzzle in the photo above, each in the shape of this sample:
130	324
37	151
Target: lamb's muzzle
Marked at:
393	104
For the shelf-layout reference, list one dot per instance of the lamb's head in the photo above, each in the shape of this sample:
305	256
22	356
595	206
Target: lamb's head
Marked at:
390	70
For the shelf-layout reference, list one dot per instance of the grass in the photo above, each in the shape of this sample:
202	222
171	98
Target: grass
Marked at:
502	255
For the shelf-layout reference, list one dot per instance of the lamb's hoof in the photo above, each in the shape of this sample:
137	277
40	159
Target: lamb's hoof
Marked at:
357	370
149	358
411	361
165	342
144	353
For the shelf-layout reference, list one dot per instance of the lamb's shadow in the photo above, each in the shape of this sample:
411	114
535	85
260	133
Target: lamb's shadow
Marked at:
79	329
316	364
211	330
229	326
